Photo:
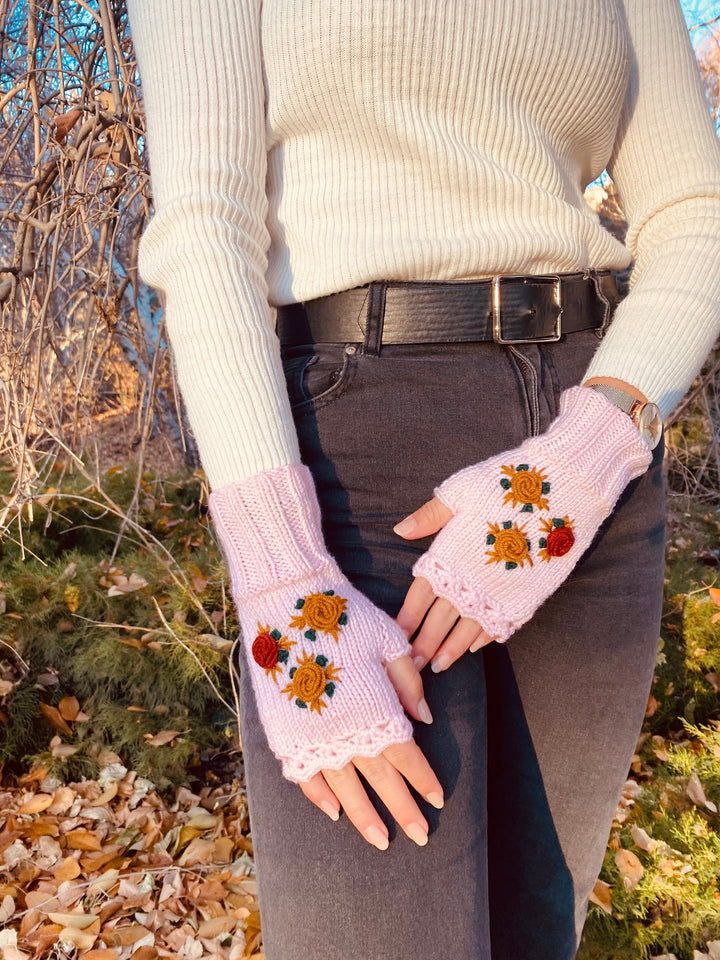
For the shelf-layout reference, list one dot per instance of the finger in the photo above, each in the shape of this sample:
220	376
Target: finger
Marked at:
411	762
393	791
427	519
417	602
462	637
347	787
482	641
318	792
438	623
406	679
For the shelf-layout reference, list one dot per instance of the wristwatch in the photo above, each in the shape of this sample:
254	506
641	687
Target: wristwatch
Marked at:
643	413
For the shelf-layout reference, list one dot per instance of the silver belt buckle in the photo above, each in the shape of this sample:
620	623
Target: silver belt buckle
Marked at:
497	283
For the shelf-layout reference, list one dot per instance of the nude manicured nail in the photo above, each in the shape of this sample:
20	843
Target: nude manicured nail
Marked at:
477	644
439	663
436	799
424	711
417	834
330	810
377	838
419	662
405	526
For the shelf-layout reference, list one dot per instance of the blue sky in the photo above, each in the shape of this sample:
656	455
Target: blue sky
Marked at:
699	11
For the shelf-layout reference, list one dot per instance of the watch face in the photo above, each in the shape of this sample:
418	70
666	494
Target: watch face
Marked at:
649	423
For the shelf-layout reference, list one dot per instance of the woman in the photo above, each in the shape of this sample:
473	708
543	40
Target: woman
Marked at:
398	189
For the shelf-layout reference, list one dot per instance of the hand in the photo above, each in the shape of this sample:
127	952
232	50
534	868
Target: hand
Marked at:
519	523
443	622
332	789
317	650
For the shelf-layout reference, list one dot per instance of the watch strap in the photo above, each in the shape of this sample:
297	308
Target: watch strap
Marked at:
617	396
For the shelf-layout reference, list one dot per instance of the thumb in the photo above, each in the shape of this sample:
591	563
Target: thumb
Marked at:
427	519
406	680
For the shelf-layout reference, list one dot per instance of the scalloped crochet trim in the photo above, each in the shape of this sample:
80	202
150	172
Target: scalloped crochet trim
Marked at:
476	606
333	756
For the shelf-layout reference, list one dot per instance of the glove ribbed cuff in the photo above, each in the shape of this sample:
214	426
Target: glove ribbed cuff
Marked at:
269	529
599	442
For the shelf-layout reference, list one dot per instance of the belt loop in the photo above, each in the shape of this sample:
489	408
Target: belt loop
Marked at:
375	318
598	279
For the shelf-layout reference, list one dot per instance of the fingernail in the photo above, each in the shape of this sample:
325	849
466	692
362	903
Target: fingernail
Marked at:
419	662
439	663
417	834
405	526
436	799
377	838
476	646
424	711
330	810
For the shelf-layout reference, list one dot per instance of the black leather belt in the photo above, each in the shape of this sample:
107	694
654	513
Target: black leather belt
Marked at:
506	309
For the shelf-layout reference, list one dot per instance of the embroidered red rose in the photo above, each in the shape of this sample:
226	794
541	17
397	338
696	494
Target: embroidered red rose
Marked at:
558	537
559	541
265	650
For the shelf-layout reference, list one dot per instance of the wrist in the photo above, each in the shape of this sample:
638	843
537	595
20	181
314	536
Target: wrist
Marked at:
619	384
599	441
269	529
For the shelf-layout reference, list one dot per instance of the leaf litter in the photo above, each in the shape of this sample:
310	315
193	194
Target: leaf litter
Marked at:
107	869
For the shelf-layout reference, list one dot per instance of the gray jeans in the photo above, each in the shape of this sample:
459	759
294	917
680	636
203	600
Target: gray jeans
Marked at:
532	740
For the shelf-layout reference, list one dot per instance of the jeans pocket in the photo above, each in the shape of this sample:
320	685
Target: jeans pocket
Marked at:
317	374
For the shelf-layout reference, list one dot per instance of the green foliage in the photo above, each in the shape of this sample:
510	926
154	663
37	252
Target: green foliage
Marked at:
674	908
130	636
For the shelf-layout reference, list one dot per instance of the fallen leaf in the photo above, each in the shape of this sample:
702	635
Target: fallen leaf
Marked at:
601	896
69	708
696	793
79	920
161	738
36	804
630	867
68	869
55	717
122	584
641	838
217	926
652	706
715	596
82	840
7	908
106	796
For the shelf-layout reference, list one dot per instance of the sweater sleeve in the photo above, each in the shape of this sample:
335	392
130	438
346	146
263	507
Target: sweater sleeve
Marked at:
666	165
207	244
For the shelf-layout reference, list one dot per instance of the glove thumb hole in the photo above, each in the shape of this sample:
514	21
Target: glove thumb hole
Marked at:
393	643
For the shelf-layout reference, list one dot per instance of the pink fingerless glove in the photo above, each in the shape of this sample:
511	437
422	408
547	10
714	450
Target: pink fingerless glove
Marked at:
314	645
523	519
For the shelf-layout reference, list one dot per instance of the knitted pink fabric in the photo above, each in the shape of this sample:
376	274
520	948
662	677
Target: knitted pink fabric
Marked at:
523	519
314	645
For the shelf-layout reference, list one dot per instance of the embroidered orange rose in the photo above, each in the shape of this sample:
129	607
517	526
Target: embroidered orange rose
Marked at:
524	484
510	545
320	612
310	680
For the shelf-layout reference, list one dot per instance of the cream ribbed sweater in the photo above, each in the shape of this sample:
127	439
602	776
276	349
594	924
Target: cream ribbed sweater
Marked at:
300	147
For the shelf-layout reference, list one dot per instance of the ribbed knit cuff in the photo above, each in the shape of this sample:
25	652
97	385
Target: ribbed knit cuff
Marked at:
598	441
269	529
